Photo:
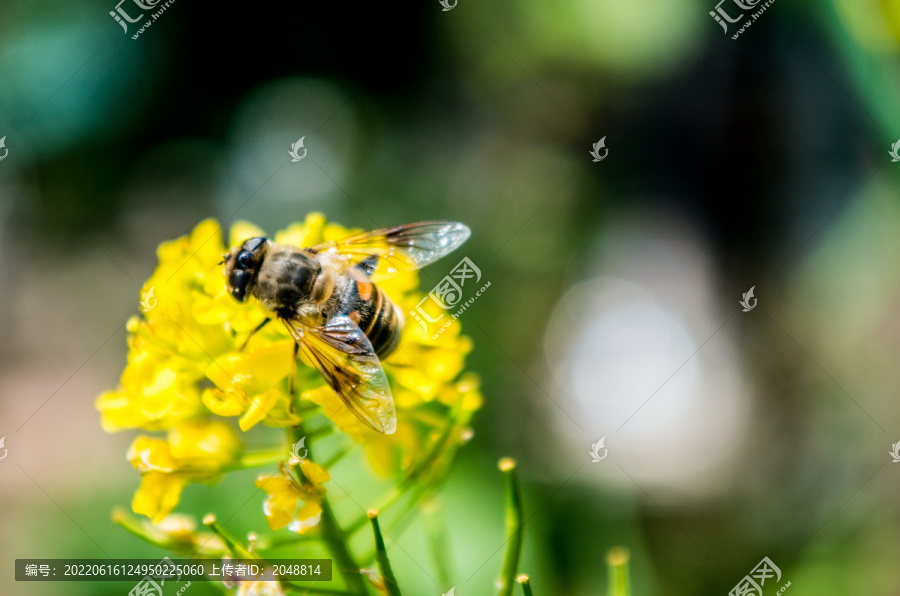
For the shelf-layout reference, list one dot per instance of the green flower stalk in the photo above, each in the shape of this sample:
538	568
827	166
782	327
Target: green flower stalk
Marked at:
437	541
617	564
384	565
236	550
515	523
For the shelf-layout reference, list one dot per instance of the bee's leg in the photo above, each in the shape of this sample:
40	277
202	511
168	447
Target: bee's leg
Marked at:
292	380
252	333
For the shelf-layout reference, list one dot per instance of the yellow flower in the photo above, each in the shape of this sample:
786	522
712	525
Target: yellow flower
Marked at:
292	505
195	451
250	389
185	365
192	363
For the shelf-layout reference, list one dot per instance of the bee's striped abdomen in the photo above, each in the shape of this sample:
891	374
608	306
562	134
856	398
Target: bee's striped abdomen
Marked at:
370	308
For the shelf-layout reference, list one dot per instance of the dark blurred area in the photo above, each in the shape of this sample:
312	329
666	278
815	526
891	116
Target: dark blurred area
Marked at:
614	306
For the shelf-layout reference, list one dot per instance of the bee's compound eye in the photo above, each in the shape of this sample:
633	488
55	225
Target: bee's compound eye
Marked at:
237	284
246	259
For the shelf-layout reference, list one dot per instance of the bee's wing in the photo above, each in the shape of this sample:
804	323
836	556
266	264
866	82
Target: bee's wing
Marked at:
342	354
402	248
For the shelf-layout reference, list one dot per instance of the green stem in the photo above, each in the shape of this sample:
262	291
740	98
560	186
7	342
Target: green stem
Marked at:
336	541
409	512
333	535
526	585
133	526
381	557
433	454
617	563
267	542
236	549
514	526
255	460
418	472
437	540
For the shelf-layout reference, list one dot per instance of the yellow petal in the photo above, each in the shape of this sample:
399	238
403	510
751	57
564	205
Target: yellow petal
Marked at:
271	363
335	409
116	412
243	230
303	235
247	317
158	495
416	380
224	403
386	453
149	454
206	239
335	232
170	252
314	472
307	518
260	406
404	399
282	501
212	310
189	256
204	445
397	285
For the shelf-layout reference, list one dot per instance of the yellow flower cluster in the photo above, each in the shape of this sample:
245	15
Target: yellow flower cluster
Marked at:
194	451
186	373
291	504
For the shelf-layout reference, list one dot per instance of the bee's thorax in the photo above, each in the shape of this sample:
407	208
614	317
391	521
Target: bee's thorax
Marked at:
300	284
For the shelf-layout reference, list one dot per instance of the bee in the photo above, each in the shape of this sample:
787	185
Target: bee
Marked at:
338	316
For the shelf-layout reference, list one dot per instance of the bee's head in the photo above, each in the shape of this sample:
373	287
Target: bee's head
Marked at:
242	266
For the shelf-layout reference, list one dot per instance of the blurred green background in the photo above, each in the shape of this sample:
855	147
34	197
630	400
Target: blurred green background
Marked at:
613	307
